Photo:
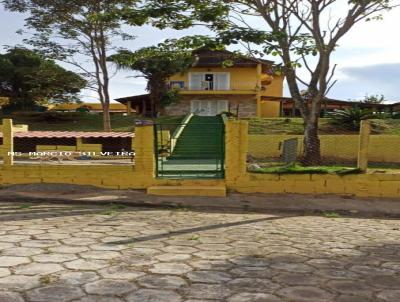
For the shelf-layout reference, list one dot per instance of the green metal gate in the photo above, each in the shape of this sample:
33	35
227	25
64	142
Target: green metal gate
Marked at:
190	150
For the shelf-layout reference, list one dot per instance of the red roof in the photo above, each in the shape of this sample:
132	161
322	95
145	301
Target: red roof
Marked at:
71	134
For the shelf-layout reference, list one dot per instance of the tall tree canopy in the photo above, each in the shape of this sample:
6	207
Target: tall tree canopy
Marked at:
72	30
158	63
27	79
79	32
302	34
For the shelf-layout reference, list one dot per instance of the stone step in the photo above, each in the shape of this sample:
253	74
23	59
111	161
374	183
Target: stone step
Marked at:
212	191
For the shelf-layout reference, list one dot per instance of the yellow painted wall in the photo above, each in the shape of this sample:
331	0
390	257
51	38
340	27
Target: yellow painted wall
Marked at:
242	78
125	177
270	108
113	177
236	132
141	176
275	88
360	185
242	81
17	128
382	148
163	137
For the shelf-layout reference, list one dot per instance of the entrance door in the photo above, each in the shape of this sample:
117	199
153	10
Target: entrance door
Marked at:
208	107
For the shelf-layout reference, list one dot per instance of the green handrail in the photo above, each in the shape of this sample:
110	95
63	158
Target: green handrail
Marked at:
178	131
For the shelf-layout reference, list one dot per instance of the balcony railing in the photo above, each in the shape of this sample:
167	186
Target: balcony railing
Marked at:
209	86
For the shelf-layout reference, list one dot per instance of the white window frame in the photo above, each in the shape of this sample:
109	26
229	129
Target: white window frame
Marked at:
228	78
207	111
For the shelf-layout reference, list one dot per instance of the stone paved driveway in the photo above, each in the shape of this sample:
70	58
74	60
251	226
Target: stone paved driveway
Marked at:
56	253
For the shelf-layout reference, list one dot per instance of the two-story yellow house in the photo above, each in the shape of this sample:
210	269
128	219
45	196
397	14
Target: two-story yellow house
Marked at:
245	88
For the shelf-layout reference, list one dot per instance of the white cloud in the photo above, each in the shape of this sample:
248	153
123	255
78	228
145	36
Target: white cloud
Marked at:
371	79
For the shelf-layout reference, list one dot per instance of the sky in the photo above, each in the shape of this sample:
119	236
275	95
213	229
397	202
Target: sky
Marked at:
368	58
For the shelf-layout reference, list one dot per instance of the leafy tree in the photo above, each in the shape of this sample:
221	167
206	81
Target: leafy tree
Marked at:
158	63
301	34
28	80
374	99
179	14
79	32
70	30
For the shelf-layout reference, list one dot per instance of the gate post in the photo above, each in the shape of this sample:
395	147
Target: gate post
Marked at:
144	148
236	142
365	130
8	142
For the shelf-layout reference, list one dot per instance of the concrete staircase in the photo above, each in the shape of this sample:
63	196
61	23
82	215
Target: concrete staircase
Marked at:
201	139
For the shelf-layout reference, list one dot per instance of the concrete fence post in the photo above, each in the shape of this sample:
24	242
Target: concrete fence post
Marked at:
236	144
8	142
144	148
365	130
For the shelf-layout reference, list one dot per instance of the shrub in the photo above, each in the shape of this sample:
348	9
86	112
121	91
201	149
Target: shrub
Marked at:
350	118
170	97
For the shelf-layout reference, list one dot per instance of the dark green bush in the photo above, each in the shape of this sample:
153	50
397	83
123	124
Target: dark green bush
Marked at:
350	118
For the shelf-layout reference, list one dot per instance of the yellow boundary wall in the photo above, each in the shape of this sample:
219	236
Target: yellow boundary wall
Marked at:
141	175
381	148
126	177
361	185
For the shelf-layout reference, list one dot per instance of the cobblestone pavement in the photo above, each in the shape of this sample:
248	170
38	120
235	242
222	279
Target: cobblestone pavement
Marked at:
62	253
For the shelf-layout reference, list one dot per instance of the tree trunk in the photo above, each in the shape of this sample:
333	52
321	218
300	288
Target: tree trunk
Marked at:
153	108
106	117
106	80
106	102
312	144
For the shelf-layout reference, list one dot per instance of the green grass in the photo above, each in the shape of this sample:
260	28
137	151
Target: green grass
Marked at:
392	126
75	121
116	207
283	126
331	215
296	169
294	126
25	206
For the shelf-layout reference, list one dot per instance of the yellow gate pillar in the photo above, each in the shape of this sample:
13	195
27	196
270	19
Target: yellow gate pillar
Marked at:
144	148
365	130
8	142
236	142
